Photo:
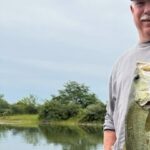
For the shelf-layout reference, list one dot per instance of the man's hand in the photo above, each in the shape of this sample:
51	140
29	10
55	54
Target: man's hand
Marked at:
109	139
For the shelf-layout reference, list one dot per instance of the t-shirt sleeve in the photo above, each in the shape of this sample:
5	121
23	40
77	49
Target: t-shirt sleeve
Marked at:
109	124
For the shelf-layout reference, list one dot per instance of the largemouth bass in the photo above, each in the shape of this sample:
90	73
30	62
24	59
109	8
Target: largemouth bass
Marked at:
137	123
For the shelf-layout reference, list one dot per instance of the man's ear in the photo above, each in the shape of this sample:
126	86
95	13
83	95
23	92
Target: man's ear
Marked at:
131	8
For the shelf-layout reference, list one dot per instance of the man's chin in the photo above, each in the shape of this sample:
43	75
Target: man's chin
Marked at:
146	34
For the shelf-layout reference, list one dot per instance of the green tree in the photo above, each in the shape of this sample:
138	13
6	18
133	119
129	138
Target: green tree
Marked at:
3	102
4	106
76	93
74	99
26	105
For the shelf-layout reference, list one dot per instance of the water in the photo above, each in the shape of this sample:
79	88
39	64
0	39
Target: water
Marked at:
50	138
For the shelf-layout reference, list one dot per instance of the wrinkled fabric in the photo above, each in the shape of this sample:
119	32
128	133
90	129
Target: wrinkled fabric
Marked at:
119	88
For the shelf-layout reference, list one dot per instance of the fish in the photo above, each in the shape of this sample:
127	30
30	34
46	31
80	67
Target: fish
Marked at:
137	120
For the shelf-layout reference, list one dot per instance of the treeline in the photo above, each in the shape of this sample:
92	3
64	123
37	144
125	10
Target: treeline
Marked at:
26	105
73	101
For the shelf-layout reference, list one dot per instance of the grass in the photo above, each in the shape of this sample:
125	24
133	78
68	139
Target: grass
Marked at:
32	121
20	120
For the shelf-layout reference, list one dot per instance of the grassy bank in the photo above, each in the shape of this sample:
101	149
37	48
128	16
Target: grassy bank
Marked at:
32	120
20	120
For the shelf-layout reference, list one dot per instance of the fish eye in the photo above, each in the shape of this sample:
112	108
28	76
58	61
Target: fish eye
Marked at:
136	77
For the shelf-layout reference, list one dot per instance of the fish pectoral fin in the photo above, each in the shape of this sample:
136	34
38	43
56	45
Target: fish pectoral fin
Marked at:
147	124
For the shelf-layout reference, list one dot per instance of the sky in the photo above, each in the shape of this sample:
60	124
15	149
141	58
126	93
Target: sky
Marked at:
46	43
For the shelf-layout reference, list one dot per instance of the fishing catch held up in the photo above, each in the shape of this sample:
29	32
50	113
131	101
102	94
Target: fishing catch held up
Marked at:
137	123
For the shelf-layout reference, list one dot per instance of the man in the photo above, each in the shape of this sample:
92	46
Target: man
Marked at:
122	76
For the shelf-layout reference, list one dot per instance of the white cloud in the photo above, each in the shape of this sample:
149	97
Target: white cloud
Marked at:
28	66
44	41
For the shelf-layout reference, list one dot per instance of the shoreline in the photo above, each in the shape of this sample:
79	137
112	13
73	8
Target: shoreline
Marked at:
32	120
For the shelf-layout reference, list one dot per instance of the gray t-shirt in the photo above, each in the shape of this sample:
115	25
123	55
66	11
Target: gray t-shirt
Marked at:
119	89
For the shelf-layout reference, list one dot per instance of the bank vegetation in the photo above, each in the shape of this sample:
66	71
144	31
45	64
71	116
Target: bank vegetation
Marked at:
74	103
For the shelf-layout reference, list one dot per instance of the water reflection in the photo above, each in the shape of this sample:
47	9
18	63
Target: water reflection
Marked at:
69	137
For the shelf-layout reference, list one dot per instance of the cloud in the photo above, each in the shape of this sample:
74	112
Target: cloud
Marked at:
47	41
28	66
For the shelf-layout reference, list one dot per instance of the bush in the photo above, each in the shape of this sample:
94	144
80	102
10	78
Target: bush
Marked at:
53	110
26	105
17	109
5	112
4	106
94	113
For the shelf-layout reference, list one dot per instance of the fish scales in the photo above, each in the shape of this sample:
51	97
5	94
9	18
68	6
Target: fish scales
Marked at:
137	122
136	136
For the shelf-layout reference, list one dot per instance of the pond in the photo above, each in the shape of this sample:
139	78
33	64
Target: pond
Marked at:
50	138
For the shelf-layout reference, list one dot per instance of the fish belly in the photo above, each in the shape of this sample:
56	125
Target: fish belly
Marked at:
137	138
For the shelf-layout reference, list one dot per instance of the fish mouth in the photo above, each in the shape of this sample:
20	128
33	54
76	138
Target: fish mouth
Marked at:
145	104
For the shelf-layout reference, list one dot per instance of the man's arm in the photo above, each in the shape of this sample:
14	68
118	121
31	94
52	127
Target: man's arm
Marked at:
109	128
109	139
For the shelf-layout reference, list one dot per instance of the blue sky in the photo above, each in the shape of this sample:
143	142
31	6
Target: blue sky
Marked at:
46	43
